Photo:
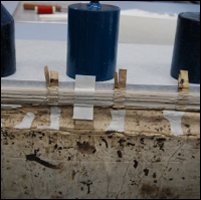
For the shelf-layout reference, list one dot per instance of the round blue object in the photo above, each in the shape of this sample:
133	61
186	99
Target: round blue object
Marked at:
187	47
93	31
8	58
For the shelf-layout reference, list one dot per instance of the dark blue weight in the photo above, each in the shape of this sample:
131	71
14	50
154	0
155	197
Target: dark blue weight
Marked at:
187	47
93	31
8	59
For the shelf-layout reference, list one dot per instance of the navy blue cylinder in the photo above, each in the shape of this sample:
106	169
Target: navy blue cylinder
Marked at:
93	31
187	47
8	58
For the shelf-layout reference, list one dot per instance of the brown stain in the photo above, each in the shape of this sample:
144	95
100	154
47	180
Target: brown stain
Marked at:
119	153
88	184
56	197
7	137
110	133
35	158
167	193
86	148
156	160
105	142
149	191
24	177
142	141
154	175
154	192
73	174
160	142
130	144
146	172
135	165
122	142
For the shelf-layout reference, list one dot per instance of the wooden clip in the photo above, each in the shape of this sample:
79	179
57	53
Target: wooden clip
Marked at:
52	78
52	81
116	81
120	79
120	82
183	82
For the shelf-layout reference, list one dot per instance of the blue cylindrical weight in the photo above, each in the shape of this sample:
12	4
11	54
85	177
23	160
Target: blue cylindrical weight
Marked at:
187	47
93	31
8	59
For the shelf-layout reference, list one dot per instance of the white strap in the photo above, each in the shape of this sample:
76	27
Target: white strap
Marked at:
84	87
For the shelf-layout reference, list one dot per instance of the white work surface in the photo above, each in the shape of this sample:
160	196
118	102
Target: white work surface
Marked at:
146	64
145	49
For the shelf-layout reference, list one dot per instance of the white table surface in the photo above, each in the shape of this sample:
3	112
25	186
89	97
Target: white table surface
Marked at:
147	64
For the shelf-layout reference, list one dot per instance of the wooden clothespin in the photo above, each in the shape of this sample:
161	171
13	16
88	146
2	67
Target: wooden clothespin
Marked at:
120	79
52	78
183	82
120	83
52	82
